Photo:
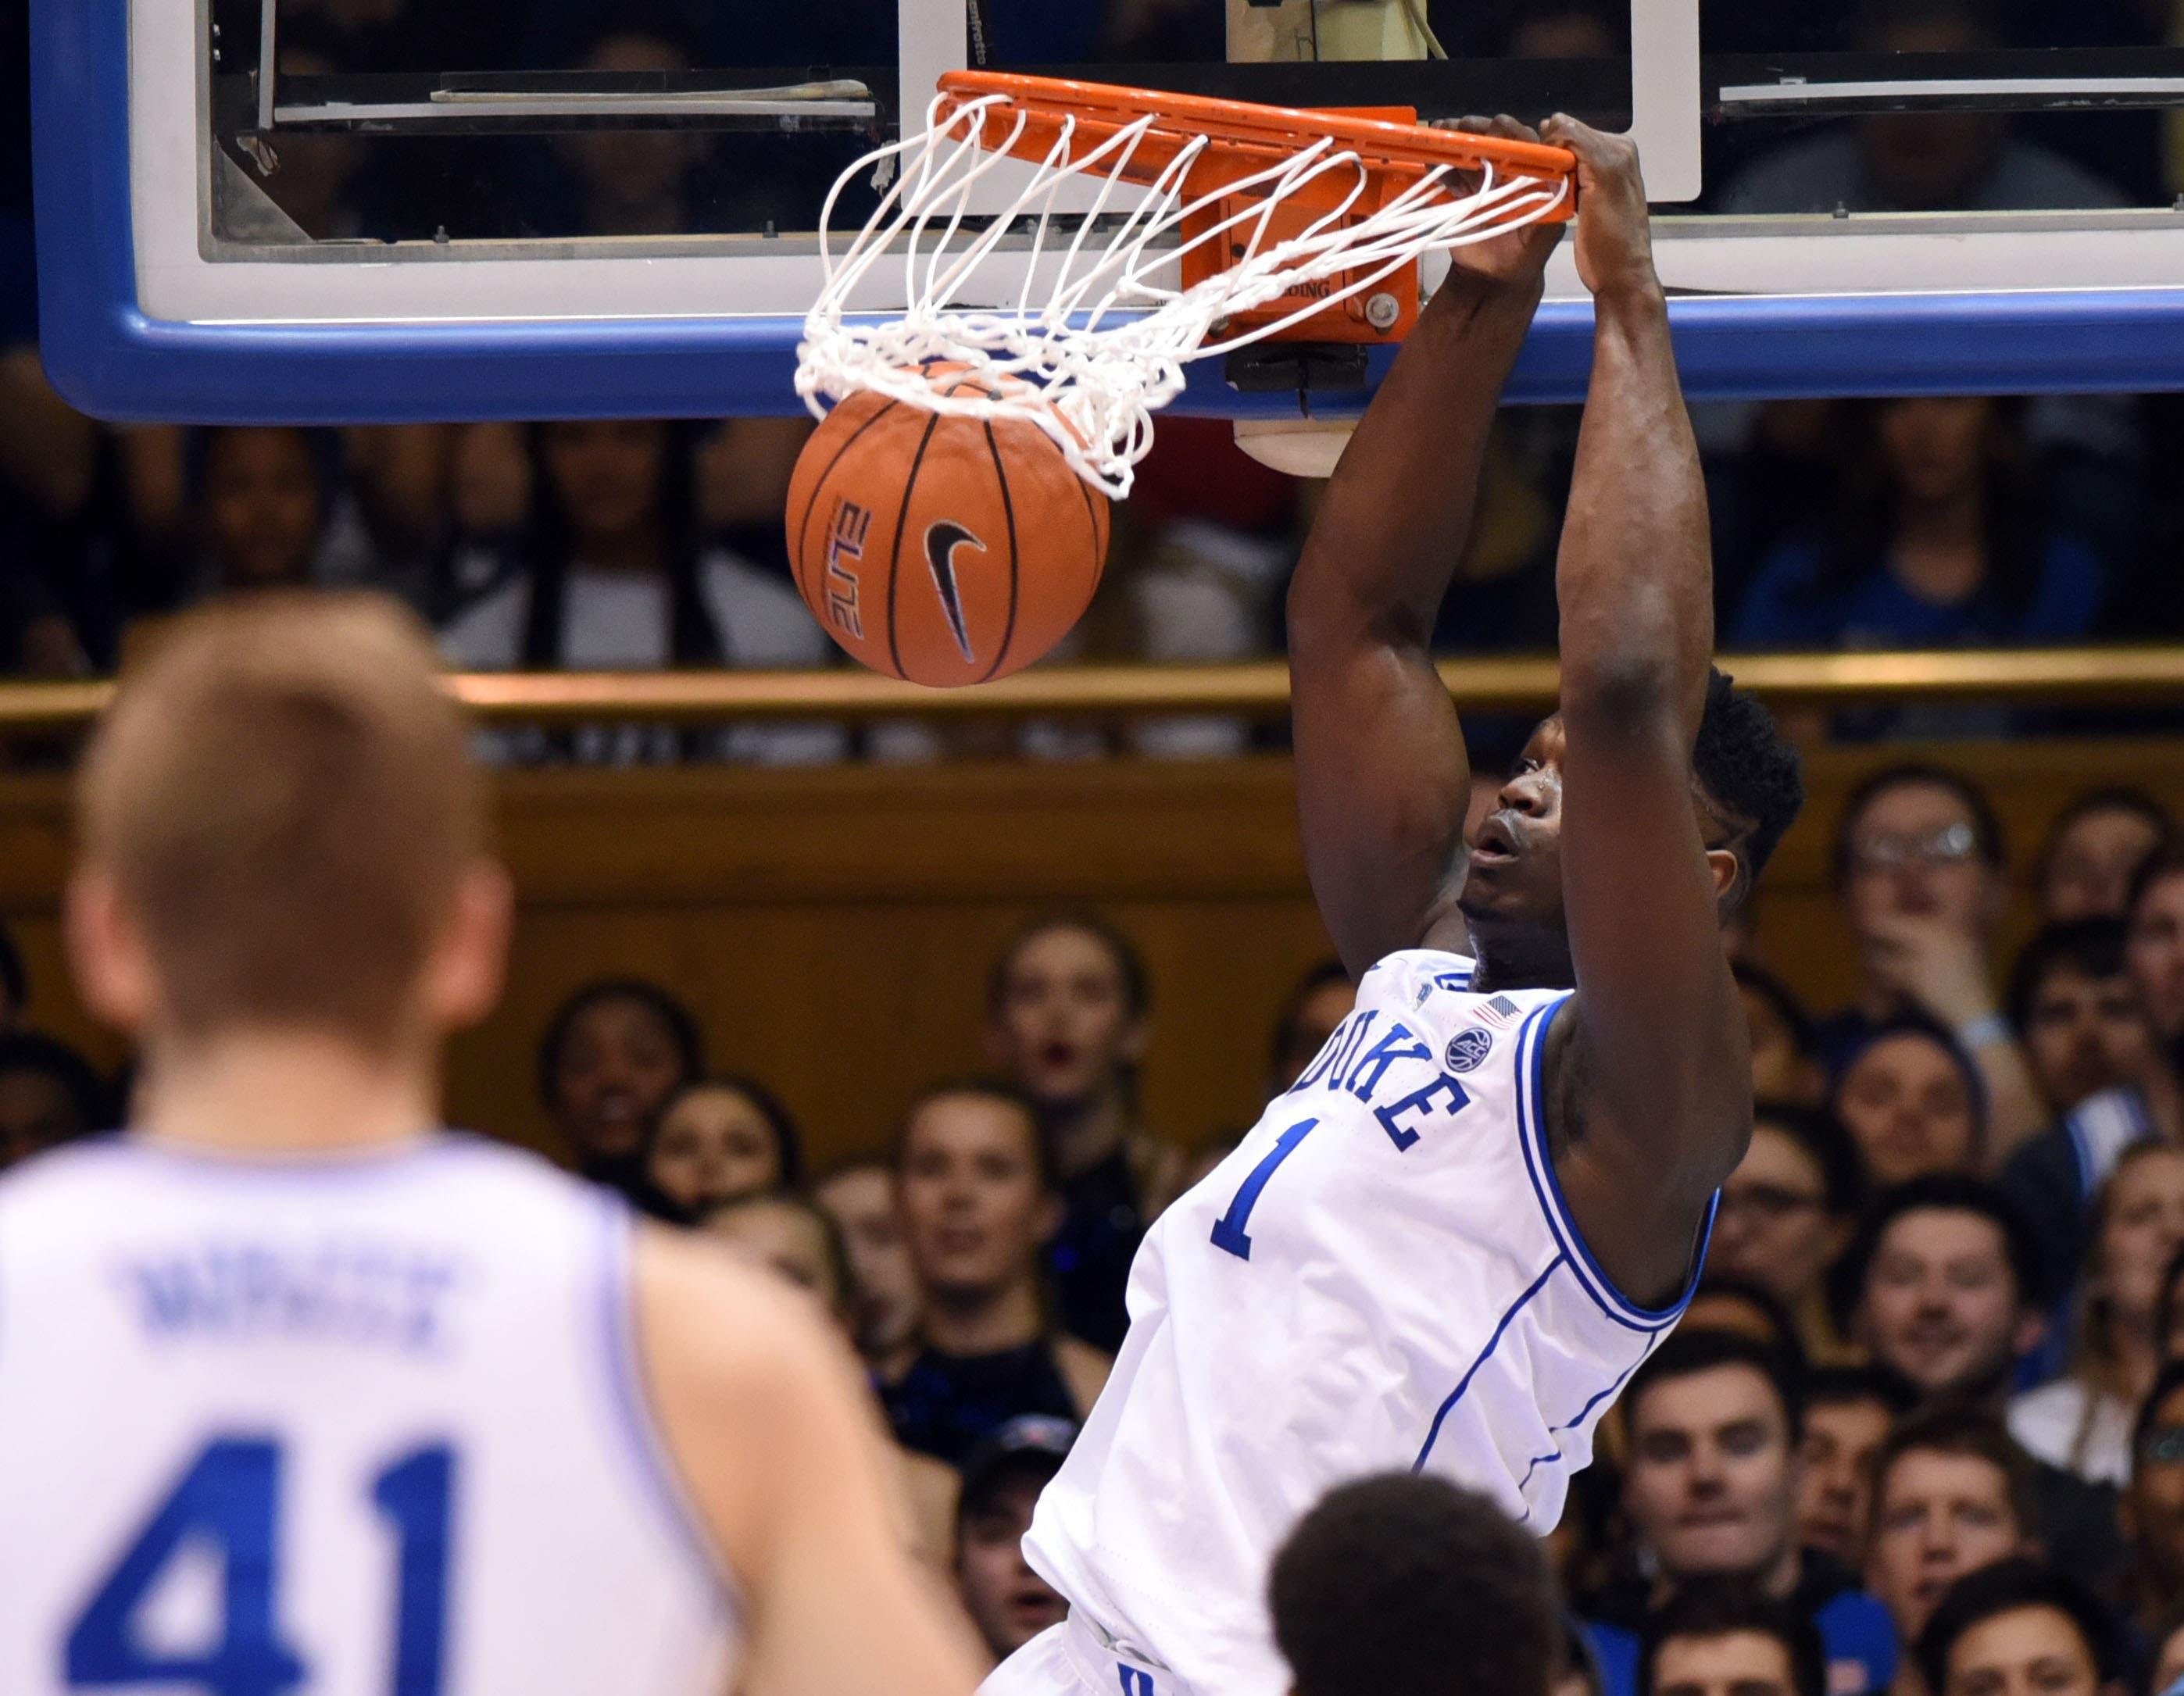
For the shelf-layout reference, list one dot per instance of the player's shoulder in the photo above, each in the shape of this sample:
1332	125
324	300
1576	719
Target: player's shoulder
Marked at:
111	1168
741	1370
1411	969
1427	982
81	1167
719	1325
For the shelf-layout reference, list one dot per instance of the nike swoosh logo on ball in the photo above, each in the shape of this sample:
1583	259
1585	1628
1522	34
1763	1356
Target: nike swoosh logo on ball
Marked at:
941	542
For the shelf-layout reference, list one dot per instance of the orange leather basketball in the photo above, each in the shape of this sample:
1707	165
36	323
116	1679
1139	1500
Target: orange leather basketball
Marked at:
945	550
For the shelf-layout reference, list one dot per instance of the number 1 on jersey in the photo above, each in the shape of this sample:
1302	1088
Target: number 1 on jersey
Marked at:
1228	1231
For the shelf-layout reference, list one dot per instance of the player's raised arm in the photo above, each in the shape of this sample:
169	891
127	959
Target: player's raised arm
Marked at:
1382	778
782	1459
1663	1096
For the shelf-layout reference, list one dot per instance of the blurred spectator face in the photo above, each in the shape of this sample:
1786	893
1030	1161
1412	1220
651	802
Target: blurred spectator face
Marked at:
862	1200
2141	1227
1840	1439
713	1147
491	477
1734	1663
1941	1306
2083	1035
1780	1069
972	1200
1562	35
786	1237
1008	1602
2153	1505
2025	1652
38	1111
1309	1028
1064	1029
632	179
1914	850
263	506
1929	161
1936	446
2154	952
1711	1485
1774	1229
1908	1106
606	474
1936	1515
2090	867
618	1065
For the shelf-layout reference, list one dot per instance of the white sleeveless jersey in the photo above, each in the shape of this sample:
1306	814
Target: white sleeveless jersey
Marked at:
1383	1276
365	1426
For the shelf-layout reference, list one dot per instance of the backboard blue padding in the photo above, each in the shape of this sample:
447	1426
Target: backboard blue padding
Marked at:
106	356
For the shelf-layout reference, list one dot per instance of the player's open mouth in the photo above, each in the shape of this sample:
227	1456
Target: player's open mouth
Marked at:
1496	844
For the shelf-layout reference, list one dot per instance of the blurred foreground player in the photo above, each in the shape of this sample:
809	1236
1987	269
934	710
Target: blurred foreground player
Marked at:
1451	1241
1403	1586
299	1394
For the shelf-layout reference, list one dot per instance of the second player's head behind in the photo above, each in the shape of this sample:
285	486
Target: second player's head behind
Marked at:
1747	792
283	844
1406	1585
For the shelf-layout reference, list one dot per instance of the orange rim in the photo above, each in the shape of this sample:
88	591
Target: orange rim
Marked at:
1241	130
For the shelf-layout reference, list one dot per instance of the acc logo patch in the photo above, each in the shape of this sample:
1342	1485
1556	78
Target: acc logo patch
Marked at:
1468	1049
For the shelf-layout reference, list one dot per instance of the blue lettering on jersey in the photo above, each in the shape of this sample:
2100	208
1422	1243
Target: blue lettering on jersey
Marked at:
357	1293
1399	1044
1420	1102
1336	1055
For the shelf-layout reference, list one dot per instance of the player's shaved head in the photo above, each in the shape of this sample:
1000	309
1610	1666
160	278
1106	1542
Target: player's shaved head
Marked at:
283	804
1405	1585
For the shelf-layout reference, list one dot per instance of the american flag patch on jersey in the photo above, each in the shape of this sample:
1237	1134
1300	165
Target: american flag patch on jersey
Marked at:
1501	1011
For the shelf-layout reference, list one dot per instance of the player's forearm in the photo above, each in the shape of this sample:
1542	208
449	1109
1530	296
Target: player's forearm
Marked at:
1635	576
1397	512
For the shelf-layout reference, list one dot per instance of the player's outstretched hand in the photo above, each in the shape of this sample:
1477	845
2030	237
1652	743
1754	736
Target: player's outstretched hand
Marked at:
1615	238
1521	256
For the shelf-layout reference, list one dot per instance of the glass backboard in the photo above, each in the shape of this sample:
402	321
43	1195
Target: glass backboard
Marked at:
313	210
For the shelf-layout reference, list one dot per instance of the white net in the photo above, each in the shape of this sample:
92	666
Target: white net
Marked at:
1101	331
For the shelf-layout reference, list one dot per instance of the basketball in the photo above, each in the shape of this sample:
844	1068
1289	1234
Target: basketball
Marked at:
945	550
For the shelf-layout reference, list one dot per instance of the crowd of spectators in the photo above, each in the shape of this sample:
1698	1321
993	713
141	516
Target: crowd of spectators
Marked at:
1922	1431
649	544
642	546
1934	1376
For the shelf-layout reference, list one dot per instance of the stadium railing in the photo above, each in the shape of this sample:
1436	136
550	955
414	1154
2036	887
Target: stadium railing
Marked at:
2123	676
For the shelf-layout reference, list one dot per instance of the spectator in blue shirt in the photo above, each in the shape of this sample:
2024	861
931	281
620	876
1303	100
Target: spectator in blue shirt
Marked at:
1947	547
1711	1491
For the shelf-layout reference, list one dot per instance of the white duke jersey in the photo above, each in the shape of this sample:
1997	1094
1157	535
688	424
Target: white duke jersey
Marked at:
356	1426
1384	1275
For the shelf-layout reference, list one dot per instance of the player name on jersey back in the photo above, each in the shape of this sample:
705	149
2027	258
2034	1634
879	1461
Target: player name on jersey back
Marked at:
366	1425
361	1292
1383	1275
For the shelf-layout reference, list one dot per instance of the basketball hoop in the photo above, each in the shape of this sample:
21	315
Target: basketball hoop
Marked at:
1282	222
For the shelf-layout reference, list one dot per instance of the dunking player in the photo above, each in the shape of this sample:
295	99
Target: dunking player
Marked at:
1448	1244
298	1393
